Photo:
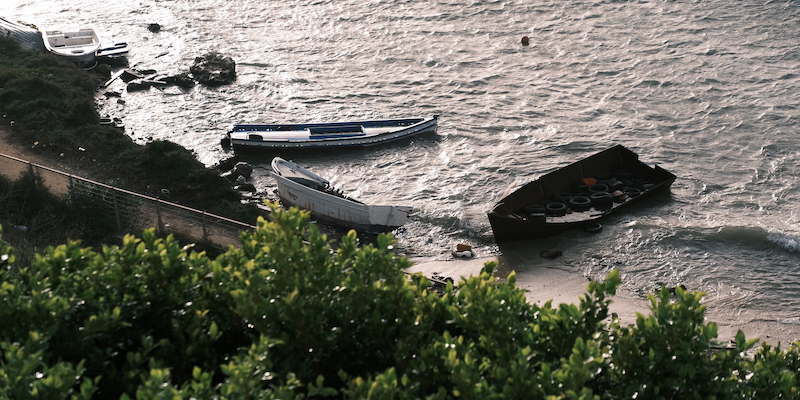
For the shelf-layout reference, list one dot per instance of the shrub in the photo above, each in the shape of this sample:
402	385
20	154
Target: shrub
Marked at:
52	104
289	315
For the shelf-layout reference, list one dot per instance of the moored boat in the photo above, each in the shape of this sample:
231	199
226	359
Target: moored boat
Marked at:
328	134
577	195
74	44
304	189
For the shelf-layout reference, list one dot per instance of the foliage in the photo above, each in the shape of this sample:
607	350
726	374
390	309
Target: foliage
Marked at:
163	164
41	218
52	104
291	315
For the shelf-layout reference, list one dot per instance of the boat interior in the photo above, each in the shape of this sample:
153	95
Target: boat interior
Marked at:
66	39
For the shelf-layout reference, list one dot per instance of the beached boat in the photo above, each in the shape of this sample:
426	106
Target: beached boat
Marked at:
328	135
77	45
304	189
577	195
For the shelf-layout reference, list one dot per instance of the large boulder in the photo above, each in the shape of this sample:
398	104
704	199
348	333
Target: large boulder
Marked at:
214	69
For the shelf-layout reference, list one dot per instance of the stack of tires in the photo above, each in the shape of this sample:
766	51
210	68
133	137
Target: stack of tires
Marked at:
598	193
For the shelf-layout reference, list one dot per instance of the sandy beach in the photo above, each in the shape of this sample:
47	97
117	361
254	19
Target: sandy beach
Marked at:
549	279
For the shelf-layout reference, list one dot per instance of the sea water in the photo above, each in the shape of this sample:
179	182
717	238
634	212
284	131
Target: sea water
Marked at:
709	90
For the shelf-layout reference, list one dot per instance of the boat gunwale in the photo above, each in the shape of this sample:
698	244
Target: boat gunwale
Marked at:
328	140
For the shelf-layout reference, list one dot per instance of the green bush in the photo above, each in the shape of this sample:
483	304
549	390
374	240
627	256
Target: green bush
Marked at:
289	315
52	104
163	164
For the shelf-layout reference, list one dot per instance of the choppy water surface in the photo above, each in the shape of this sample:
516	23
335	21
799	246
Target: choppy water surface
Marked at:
706	89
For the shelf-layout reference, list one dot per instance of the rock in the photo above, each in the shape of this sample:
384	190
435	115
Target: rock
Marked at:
129	75
155	28
551	254
247	187
138	84
242	169
214	69
119	60
183	80
240	180
228	163
103	70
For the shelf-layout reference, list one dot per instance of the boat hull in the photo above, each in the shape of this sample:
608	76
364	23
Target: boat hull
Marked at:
511	220
328	135
338	210
78	45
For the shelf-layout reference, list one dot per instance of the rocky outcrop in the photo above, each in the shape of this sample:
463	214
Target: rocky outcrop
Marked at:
214	69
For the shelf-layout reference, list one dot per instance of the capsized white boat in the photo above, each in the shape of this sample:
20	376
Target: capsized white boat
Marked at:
74	44
304	189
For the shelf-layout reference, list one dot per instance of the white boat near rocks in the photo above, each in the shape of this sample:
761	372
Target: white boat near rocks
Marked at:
74	44
304	189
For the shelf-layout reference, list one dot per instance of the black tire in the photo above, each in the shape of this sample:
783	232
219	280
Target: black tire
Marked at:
580	203
602	200
633	192
598	188
556	209
593	227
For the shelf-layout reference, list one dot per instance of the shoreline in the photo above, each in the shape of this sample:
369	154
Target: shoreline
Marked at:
541	279
543	283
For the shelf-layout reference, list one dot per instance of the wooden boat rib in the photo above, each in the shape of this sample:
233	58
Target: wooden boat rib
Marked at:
549	205
328	135
302	188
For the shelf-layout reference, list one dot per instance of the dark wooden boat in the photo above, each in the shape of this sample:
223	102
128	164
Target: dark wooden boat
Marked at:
577	195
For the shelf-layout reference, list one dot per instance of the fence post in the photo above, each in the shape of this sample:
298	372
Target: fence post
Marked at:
71	188
33	174
160	226
205	230
116	210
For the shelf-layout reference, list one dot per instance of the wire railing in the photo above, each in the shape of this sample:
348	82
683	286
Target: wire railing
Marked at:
133	211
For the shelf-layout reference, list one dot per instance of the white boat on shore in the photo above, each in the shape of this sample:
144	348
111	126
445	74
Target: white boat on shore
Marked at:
304	189
74	44
328	134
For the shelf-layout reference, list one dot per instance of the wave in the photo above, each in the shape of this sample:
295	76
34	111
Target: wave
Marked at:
787	241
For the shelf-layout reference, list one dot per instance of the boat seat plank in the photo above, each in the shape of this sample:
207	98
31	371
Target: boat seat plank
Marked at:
337	130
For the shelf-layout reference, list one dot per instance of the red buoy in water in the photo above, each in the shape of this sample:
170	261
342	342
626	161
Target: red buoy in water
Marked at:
525	41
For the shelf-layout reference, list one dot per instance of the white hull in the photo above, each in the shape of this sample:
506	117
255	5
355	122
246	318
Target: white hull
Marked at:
338	210
78	45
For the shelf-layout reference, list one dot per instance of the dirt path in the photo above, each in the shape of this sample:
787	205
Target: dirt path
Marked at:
12	148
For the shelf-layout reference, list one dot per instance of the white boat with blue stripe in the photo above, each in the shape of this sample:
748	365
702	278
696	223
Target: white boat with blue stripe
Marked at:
328	134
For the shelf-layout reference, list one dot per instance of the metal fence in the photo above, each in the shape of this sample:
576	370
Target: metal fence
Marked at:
133	212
